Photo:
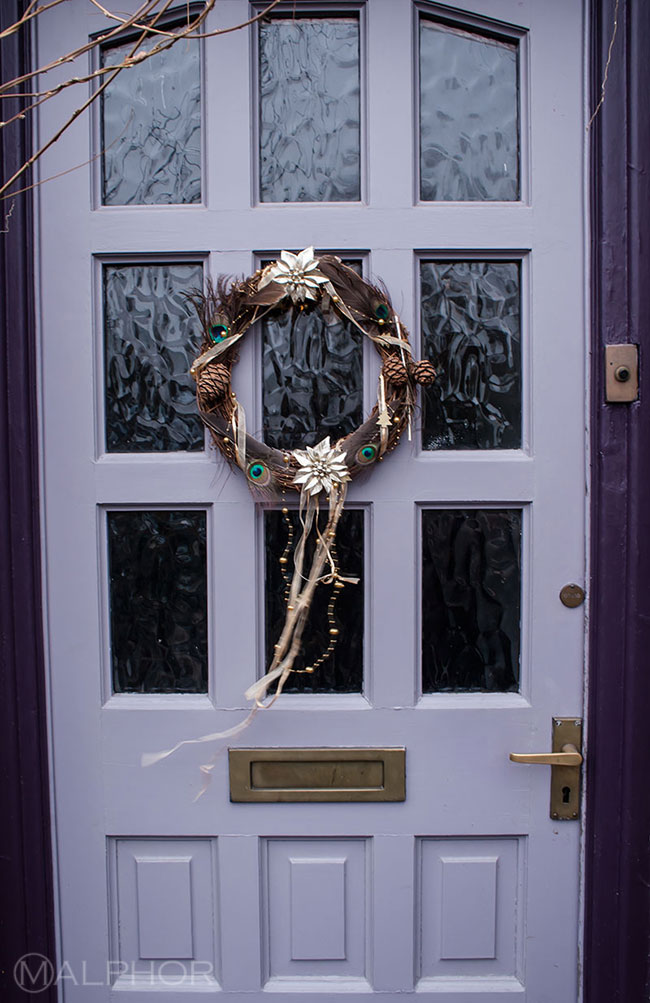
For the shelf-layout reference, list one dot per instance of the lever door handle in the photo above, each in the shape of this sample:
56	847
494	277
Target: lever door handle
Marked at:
569	756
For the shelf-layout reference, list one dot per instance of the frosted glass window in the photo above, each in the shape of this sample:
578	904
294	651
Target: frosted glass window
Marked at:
471	600
312	368
151	337
342	672
309	110
469	116
313	379
471	331
151	127
158	601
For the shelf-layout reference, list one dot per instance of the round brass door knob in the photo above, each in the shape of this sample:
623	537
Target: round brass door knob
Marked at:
572	595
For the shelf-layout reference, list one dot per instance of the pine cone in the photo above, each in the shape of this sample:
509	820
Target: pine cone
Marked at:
213	385
395	371
424	373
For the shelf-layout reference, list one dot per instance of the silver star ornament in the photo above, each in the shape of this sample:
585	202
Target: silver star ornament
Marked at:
298	272
321	468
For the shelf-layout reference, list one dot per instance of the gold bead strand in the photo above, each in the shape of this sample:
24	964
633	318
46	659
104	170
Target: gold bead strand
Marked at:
333	630
284	559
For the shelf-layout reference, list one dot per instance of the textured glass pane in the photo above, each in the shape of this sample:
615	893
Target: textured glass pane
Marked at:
471	331
312	370
151	337
469	117
309	110
342	672
158	602
471	596
151	127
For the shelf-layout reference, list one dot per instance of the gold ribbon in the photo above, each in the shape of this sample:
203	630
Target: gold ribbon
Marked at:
301	595
238	422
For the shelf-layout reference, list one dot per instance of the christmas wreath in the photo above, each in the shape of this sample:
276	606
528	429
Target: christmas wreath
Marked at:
227	311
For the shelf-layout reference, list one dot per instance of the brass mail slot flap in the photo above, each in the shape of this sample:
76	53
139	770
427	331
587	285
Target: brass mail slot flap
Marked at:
268	775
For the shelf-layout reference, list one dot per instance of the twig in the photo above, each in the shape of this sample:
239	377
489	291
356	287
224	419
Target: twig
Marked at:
168	39
607	65
13	28
69	170
188	32
8	216
69	57
75	115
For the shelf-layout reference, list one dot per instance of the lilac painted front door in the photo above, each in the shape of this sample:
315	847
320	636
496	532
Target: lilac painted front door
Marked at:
442	151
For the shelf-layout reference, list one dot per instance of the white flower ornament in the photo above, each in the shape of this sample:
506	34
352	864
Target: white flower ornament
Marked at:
298	272
321	467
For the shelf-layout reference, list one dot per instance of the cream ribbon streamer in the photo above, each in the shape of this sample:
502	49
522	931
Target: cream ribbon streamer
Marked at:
302	587
288	647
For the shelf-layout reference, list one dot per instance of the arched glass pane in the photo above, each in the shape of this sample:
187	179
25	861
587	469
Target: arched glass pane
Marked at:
469	116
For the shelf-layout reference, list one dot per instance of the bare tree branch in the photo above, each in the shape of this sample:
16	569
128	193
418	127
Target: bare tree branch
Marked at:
187	32
143	20
191	33
69	57
28	17
75	115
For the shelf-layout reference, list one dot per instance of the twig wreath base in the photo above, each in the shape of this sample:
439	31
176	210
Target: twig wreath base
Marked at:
301	282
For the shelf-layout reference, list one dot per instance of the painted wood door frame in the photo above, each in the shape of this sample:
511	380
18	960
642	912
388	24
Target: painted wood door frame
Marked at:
617	919
27	903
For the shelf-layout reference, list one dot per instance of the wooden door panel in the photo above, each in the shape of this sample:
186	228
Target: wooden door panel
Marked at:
453	892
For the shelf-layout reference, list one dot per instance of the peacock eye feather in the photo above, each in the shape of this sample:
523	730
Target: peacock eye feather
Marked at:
258	473
367	454
381	311
218	333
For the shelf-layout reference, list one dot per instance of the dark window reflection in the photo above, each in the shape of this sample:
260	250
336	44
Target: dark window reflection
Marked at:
158	601
342	672
312	367
151	337
471	599
469	116
471	331
309	109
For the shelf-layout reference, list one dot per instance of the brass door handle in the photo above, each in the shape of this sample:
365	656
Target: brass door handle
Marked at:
569	756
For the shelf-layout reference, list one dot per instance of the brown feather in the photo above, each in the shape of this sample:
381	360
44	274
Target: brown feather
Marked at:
359	296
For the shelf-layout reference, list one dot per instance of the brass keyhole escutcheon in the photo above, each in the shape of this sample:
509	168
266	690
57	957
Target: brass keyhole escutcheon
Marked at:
565	760
572	595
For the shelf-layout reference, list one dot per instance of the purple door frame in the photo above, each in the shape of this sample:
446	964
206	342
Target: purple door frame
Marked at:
26	902
617	917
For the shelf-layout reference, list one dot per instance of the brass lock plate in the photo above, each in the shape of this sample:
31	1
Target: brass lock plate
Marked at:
621	374
566	780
